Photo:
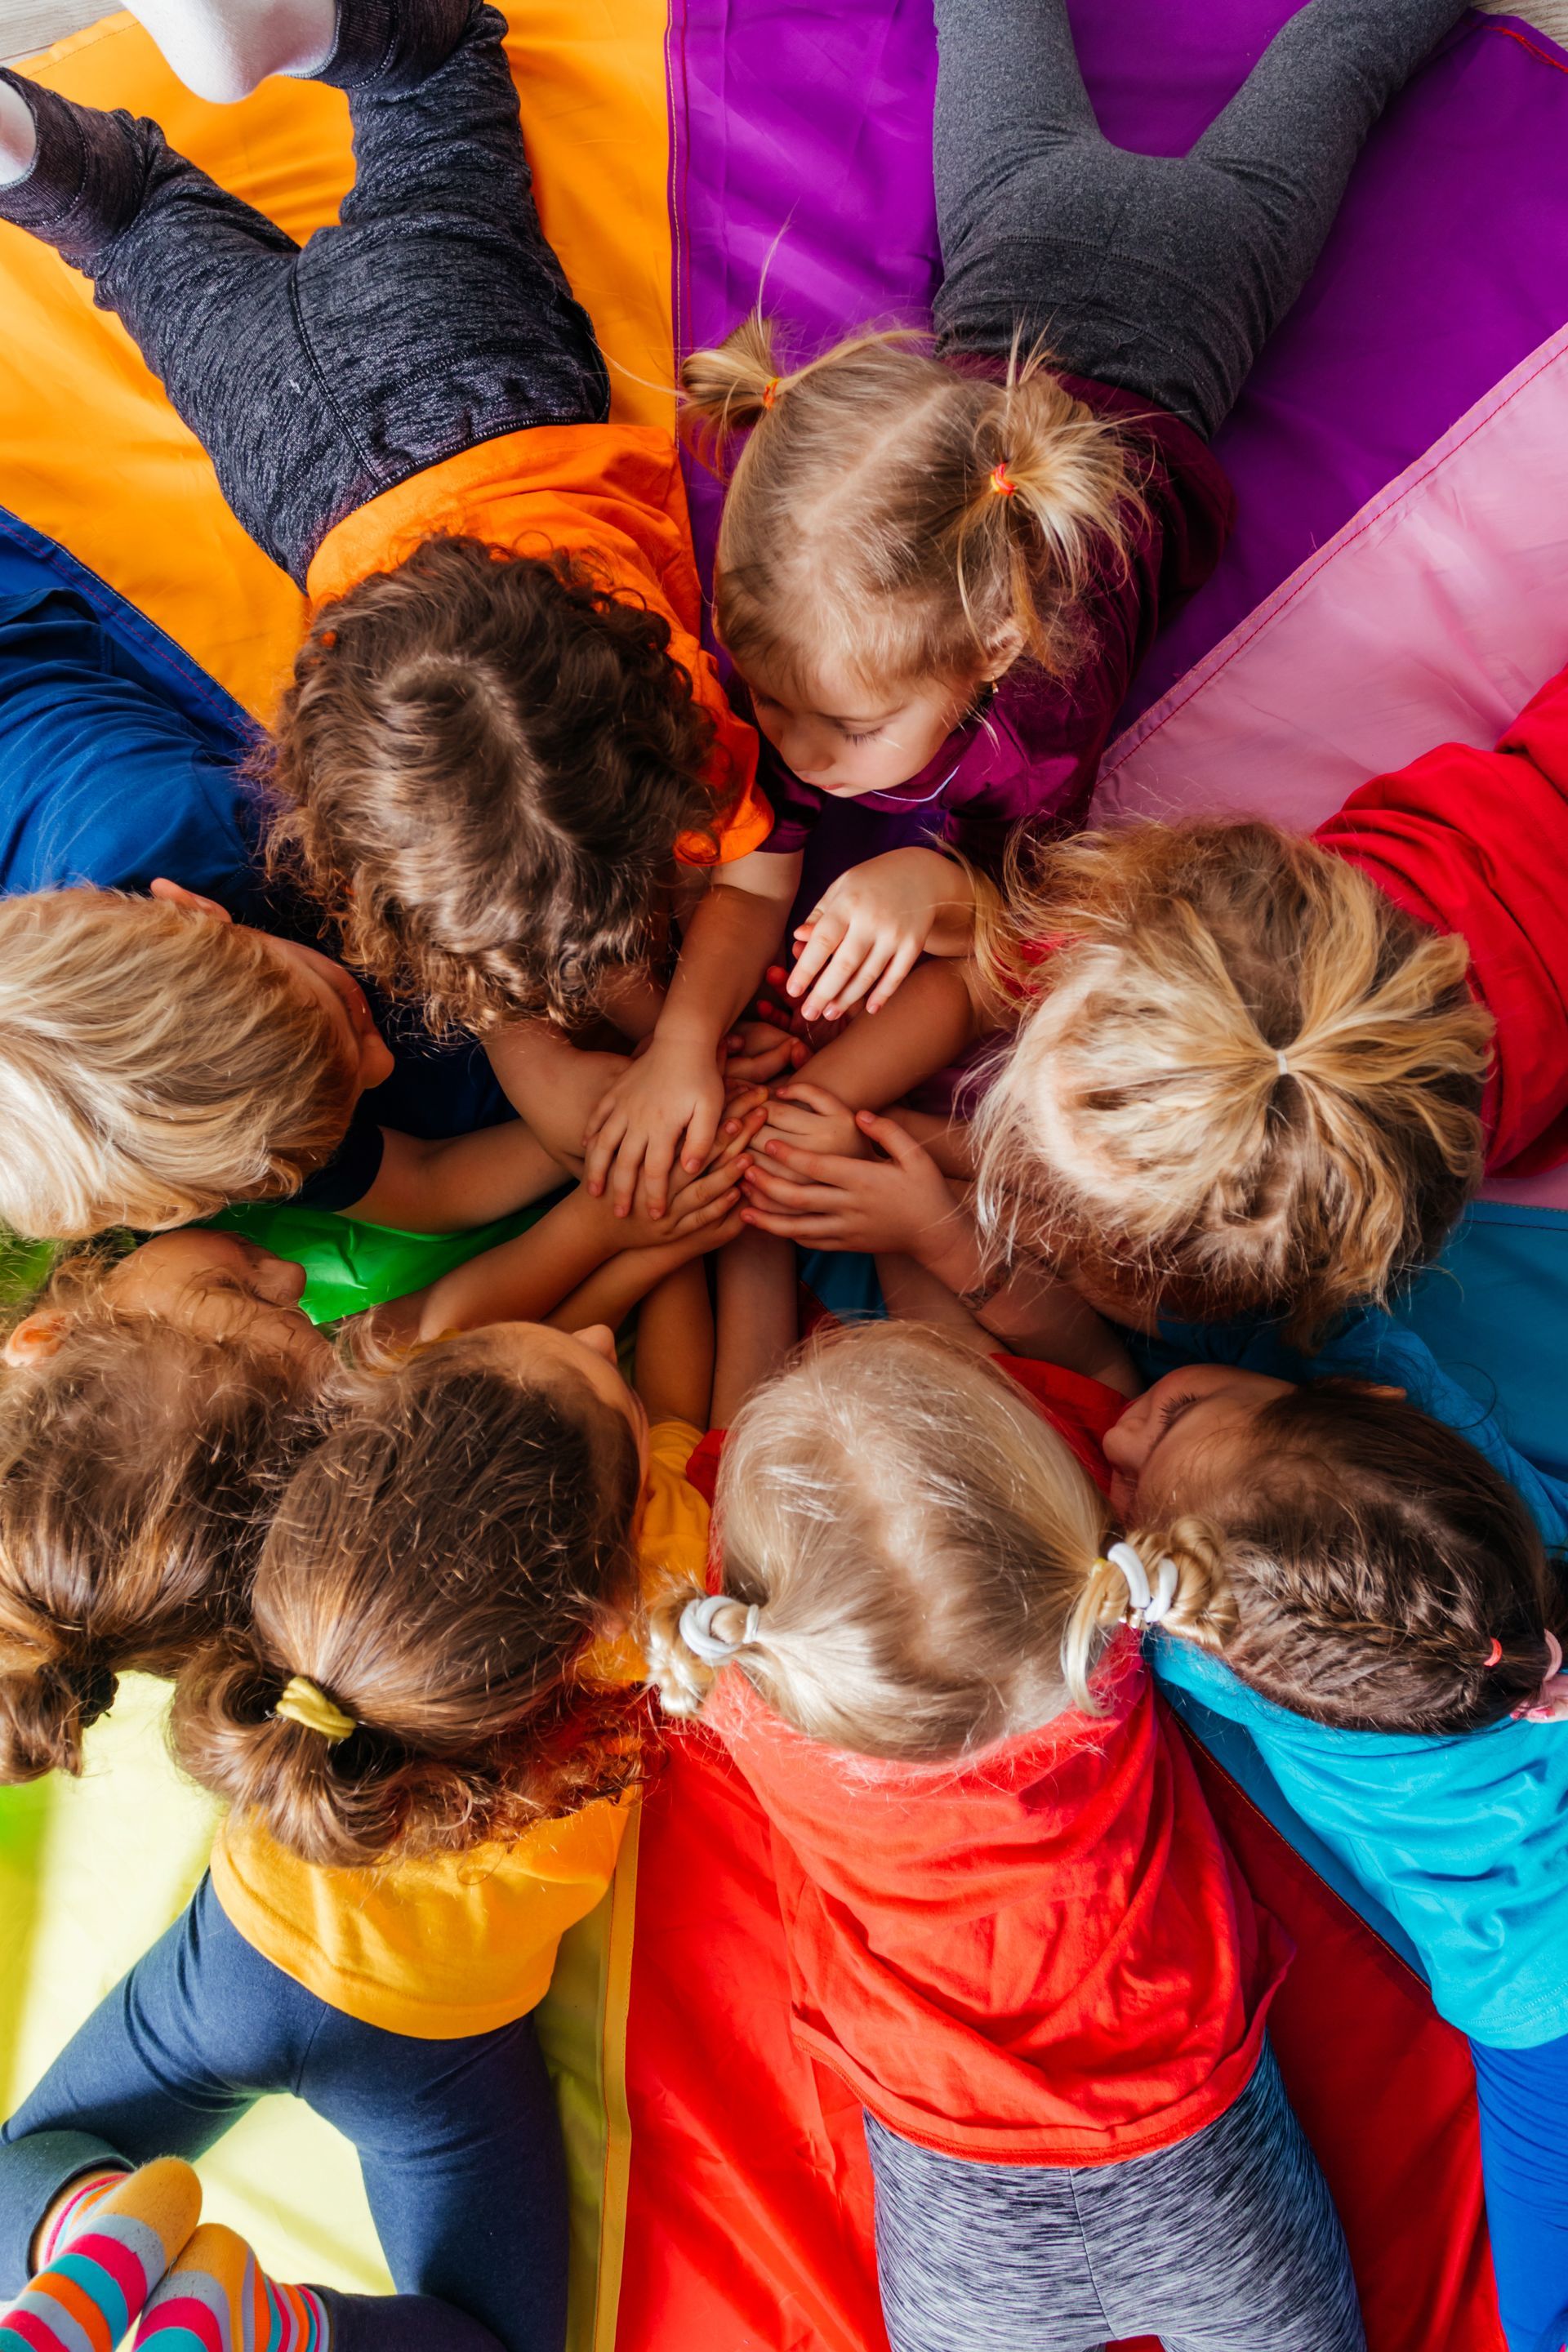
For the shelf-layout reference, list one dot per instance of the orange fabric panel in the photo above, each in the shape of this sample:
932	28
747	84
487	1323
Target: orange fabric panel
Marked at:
91	452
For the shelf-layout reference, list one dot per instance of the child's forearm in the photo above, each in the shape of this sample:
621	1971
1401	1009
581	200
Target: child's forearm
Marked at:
456	1181
758	1318
675	1348
524	1280
731	937
879	1057
614	1289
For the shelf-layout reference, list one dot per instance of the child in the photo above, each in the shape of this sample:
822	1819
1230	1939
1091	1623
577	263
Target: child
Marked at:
1013	1927
424	1731
502	746
938	573
1259	1073
149	1411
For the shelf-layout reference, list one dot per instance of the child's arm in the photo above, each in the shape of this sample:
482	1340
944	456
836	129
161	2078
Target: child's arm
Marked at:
457	1181
552	1084
868	930
674	1373
524	1280
672	1096
758	1318
902	1205
880	1055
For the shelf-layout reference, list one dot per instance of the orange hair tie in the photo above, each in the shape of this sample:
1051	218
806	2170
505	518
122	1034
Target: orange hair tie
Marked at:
1494	1655
1002	481
771	391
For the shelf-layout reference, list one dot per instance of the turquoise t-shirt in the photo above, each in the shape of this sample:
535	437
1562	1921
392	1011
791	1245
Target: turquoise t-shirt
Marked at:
1460	1846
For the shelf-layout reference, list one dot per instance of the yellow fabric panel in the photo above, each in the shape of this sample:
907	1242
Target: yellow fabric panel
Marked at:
91	452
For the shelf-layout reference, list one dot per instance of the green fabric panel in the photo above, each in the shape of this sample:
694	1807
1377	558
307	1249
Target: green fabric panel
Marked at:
349	1266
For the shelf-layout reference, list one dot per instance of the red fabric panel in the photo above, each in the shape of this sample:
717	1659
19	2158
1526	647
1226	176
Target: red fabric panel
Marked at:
749	2221
1477	843
1386	2095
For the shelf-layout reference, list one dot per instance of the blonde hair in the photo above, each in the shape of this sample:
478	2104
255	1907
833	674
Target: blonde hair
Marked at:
436	1571
1244	1079
912	519
154	1064
923	1552
136	1464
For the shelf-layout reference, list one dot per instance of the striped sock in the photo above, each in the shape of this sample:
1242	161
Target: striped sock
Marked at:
220	2299
106	2252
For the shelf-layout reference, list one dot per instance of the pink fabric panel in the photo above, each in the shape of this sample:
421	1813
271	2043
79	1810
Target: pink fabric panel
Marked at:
1432	616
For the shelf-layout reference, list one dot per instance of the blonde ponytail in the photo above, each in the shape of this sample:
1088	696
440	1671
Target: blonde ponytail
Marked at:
901	517
1242	1079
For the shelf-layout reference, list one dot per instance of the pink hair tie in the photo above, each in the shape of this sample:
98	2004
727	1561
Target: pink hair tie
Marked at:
1494	1655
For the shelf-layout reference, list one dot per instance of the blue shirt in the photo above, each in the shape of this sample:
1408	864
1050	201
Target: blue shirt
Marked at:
1460	1845
120	760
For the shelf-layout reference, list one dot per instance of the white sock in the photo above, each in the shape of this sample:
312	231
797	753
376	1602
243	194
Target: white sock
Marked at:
222	48
19	136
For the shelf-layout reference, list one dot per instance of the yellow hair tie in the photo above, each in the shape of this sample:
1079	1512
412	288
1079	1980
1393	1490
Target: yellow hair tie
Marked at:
302	1703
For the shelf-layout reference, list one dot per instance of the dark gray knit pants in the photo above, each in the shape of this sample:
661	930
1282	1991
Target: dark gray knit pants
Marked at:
1226	2243
1161	274
432	315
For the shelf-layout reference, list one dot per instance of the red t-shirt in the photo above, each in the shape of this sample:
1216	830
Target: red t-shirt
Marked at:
1477	843
1042	1955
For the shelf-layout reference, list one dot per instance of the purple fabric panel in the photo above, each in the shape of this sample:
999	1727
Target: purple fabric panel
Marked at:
803	148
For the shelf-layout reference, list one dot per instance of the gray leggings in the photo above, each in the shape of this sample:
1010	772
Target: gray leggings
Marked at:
1226	2243
1161	274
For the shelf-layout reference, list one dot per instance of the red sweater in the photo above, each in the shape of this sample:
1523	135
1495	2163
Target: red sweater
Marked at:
1042	1955
1477	843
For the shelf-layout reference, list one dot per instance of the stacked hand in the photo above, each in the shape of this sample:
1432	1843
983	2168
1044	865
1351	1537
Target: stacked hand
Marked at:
839	1198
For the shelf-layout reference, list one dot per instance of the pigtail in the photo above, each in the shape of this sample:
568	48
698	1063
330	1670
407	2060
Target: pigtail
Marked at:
729	387
49	1702
340	1804
682	1679
1051	502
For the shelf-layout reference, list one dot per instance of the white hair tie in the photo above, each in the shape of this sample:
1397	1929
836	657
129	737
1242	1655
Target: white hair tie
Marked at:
697	1629
1147	1607
1284	1064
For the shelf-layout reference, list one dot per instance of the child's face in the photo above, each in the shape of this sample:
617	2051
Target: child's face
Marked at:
847	740
337	990
538	1353
1173	1439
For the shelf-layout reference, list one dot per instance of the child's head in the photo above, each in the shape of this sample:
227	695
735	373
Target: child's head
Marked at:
157	1060
146	1407
484	763
1246	1081
896	532
917	1543
1369	1566
412	1676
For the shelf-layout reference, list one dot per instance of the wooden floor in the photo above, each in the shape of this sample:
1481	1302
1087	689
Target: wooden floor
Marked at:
26	26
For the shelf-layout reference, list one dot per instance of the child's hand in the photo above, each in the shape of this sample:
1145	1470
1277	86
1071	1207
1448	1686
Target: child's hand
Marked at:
831	1201
696	1204
757	1051
671	1099
813	1121
868	932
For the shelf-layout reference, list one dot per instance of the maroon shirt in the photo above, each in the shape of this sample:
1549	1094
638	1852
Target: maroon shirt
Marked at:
1032	749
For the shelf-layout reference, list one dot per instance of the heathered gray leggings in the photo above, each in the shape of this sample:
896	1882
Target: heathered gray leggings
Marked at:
1161	274
1226	2243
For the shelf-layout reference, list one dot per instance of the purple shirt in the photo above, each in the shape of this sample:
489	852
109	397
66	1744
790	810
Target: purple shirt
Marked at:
1032	749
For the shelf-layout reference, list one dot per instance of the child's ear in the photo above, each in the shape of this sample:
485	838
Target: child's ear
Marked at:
174	894
1002	653
38	1336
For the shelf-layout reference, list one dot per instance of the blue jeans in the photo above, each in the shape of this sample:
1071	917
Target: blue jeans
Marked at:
432	315
459	2141
1523	2098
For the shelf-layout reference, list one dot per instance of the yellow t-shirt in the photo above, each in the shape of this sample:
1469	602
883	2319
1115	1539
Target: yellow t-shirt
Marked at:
455	1943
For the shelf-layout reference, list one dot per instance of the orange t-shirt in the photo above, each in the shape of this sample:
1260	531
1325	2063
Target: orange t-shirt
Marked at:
1040	1954
612	497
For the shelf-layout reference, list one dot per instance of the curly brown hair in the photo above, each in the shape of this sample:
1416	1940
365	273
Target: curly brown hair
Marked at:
483	764
439	1566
